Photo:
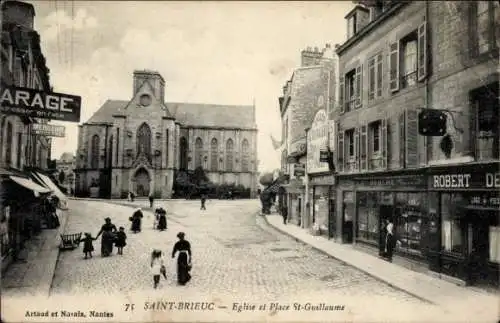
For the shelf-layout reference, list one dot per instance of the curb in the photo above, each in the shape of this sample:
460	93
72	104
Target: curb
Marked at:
423	299
60	231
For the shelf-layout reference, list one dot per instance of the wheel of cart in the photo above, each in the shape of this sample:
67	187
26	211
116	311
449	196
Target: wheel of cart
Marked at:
70	241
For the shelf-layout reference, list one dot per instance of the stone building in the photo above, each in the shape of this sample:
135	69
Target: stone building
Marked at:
311	88
399	59
23	65
143	143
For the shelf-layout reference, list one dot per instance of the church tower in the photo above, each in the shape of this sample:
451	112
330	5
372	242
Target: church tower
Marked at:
154	78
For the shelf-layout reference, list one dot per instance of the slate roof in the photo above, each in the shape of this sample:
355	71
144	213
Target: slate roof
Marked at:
192	114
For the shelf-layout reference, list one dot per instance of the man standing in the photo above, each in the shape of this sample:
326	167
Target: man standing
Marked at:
203	200
151	199
284	213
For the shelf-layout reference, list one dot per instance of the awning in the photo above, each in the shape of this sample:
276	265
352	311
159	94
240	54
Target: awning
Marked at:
53	187
29	184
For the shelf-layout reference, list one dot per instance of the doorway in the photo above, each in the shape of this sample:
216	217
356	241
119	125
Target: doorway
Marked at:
142	182
479	253
386	213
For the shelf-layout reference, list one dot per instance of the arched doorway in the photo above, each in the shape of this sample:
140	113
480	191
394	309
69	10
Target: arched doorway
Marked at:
142	181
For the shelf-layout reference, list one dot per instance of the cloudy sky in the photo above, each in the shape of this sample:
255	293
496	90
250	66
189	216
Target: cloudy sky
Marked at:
210	52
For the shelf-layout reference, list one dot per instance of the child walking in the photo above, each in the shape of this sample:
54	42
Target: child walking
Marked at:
88	247
157	267
121	239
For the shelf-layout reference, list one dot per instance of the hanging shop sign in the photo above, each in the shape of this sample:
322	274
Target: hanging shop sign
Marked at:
39	104
299	169
48	130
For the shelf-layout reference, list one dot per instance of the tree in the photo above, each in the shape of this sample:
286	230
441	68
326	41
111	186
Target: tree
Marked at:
266	179
61	177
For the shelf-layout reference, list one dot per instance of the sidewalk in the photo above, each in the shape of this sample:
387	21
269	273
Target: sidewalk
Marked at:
33	275
437	291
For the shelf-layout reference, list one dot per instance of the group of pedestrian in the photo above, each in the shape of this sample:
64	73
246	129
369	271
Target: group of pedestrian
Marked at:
184	264
113	237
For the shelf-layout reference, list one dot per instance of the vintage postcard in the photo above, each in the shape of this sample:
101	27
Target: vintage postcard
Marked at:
258	161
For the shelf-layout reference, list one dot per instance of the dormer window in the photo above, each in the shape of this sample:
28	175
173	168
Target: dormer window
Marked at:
351	26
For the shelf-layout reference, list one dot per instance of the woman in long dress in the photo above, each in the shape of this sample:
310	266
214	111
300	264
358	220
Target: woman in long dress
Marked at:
108	231
136	219
183	260
162	219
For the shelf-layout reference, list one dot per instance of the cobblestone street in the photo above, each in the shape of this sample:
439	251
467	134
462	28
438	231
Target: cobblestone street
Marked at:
232	254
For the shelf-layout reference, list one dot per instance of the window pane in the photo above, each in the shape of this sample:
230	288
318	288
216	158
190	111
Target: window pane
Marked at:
410	63
496	14
451	235
495	244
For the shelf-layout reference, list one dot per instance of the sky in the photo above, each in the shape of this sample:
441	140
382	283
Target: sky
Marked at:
207	52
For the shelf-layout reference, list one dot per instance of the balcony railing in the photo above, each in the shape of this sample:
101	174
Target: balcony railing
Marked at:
351	164
375	161
349	104
409	80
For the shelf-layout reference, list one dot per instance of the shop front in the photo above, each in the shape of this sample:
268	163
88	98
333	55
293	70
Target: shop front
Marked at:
323	204
464	205
368	201
295	190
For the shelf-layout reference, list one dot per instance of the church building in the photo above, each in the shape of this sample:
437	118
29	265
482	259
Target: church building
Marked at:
141	144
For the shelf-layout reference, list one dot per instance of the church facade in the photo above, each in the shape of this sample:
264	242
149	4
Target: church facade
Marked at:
139	145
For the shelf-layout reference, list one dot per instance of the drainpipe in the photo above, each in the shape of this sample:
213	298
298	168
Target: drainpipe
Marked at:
426	97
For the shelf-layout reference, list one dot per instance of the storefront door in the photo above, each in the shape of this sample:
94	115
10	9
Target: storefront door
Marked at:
479	253
386	212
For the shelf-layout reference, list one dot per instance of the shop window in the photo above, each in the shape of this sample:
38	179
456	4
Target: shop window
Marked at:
451	233
368	216
8	148
495	244
410	221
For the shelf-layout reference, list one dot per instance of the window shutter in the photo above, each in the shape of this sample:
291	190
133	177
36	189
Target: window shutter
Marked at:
371	79
379	75
394	66
341	93
422	51
359	85
364	148
401	139
411	138
384	142
357	149
473	128
340	149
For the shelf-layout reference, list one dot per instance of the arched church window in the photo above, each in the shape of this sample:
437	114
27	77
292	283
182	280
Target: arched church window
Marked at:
245	155
183	151
198	146
110	152
214	163
229	155
94	152
144	140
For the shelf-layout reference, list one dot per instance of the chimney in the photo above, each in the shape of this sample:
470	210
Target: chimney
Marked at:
328	52
18	13
311	57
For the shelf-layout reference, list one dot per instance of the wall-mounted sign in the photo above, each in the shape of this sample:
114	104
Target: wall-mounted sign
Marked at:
317	141
39	104
299	169
48	130
464	181
401	181
326	180
324	156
